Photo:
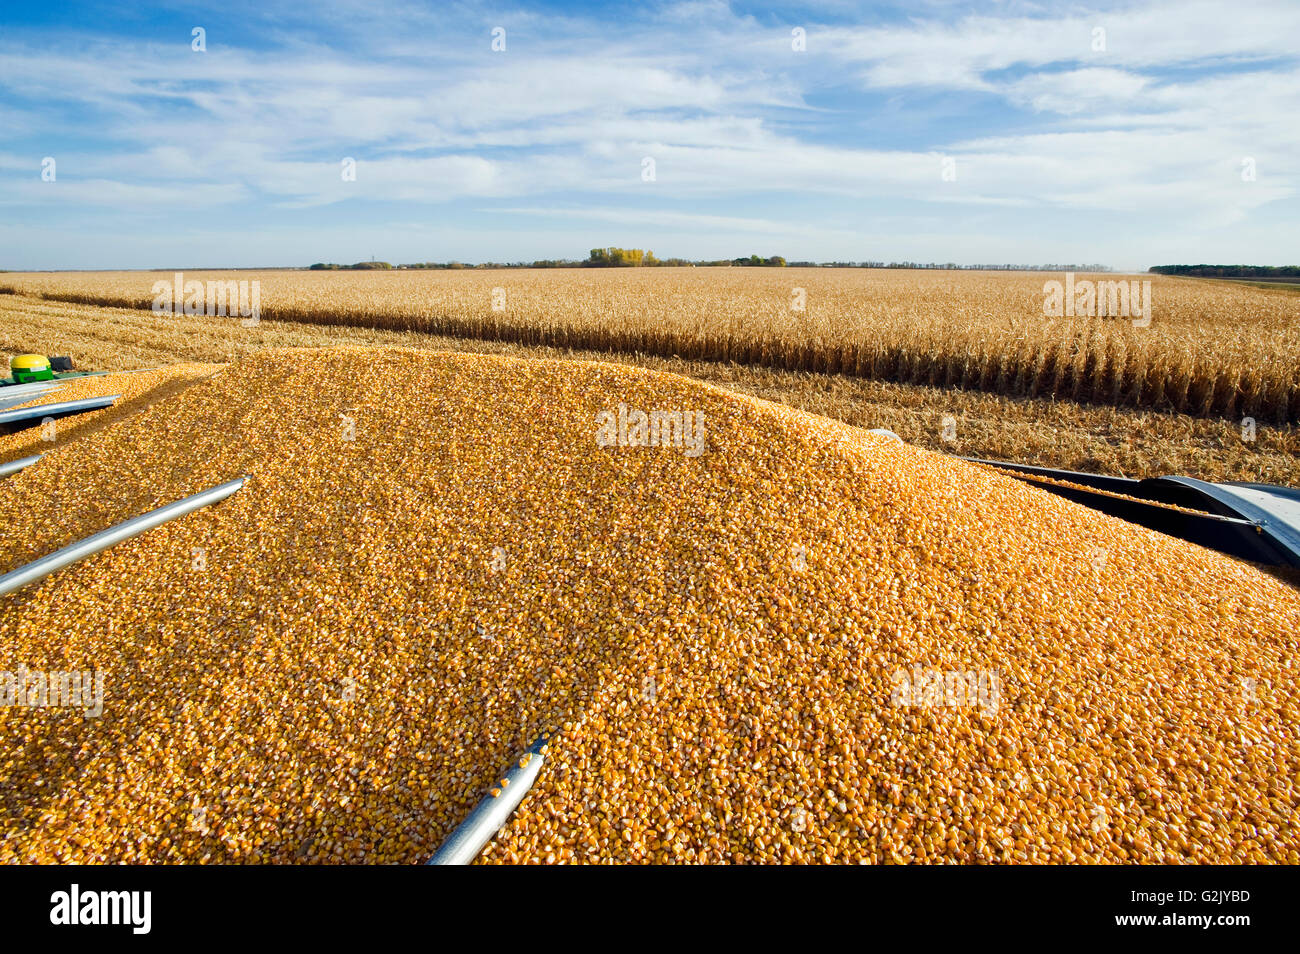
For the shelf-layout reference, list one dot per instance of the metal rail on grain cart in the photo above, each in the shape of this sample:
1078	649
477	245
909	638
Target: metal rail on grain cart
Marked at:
91	545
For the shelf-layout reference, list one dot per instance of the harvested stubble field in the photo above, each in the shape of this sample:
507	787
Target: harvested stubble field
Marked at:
378	624
1210	350
1089	437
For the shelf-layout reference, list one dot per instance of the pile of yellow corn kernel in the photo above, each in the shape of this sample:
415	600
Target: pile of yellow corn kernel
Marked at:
434	561
136	390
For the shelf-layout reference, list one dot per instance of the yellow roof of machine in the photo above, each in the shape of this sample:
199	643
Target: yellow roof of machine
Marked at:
29	362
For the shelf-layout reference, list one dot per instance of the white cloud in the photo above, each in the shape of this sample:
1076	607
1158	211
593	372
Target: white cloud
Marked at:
1163	34
1153	127
676	220
1078	91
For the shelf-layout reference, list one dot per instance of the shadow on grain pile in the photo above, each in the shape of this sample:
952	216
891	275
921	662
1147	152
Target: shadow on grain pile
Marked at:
435	560
137	390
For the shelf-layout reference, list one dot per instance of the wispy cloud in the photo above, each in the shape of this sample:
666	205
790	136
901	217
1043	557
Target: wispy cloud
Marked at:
1035	112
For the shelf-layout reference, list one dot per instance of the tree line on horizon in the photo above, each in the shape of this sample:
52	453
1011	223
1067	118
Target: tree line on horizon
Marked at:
1228	271
615	257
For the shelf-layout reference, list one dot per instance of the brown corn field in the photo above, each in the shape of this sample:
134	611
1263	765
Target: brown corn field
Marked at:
1210	350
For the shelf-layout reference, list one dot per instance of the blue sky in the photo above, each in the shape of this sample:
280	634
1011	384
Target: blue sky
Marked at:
1125	147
